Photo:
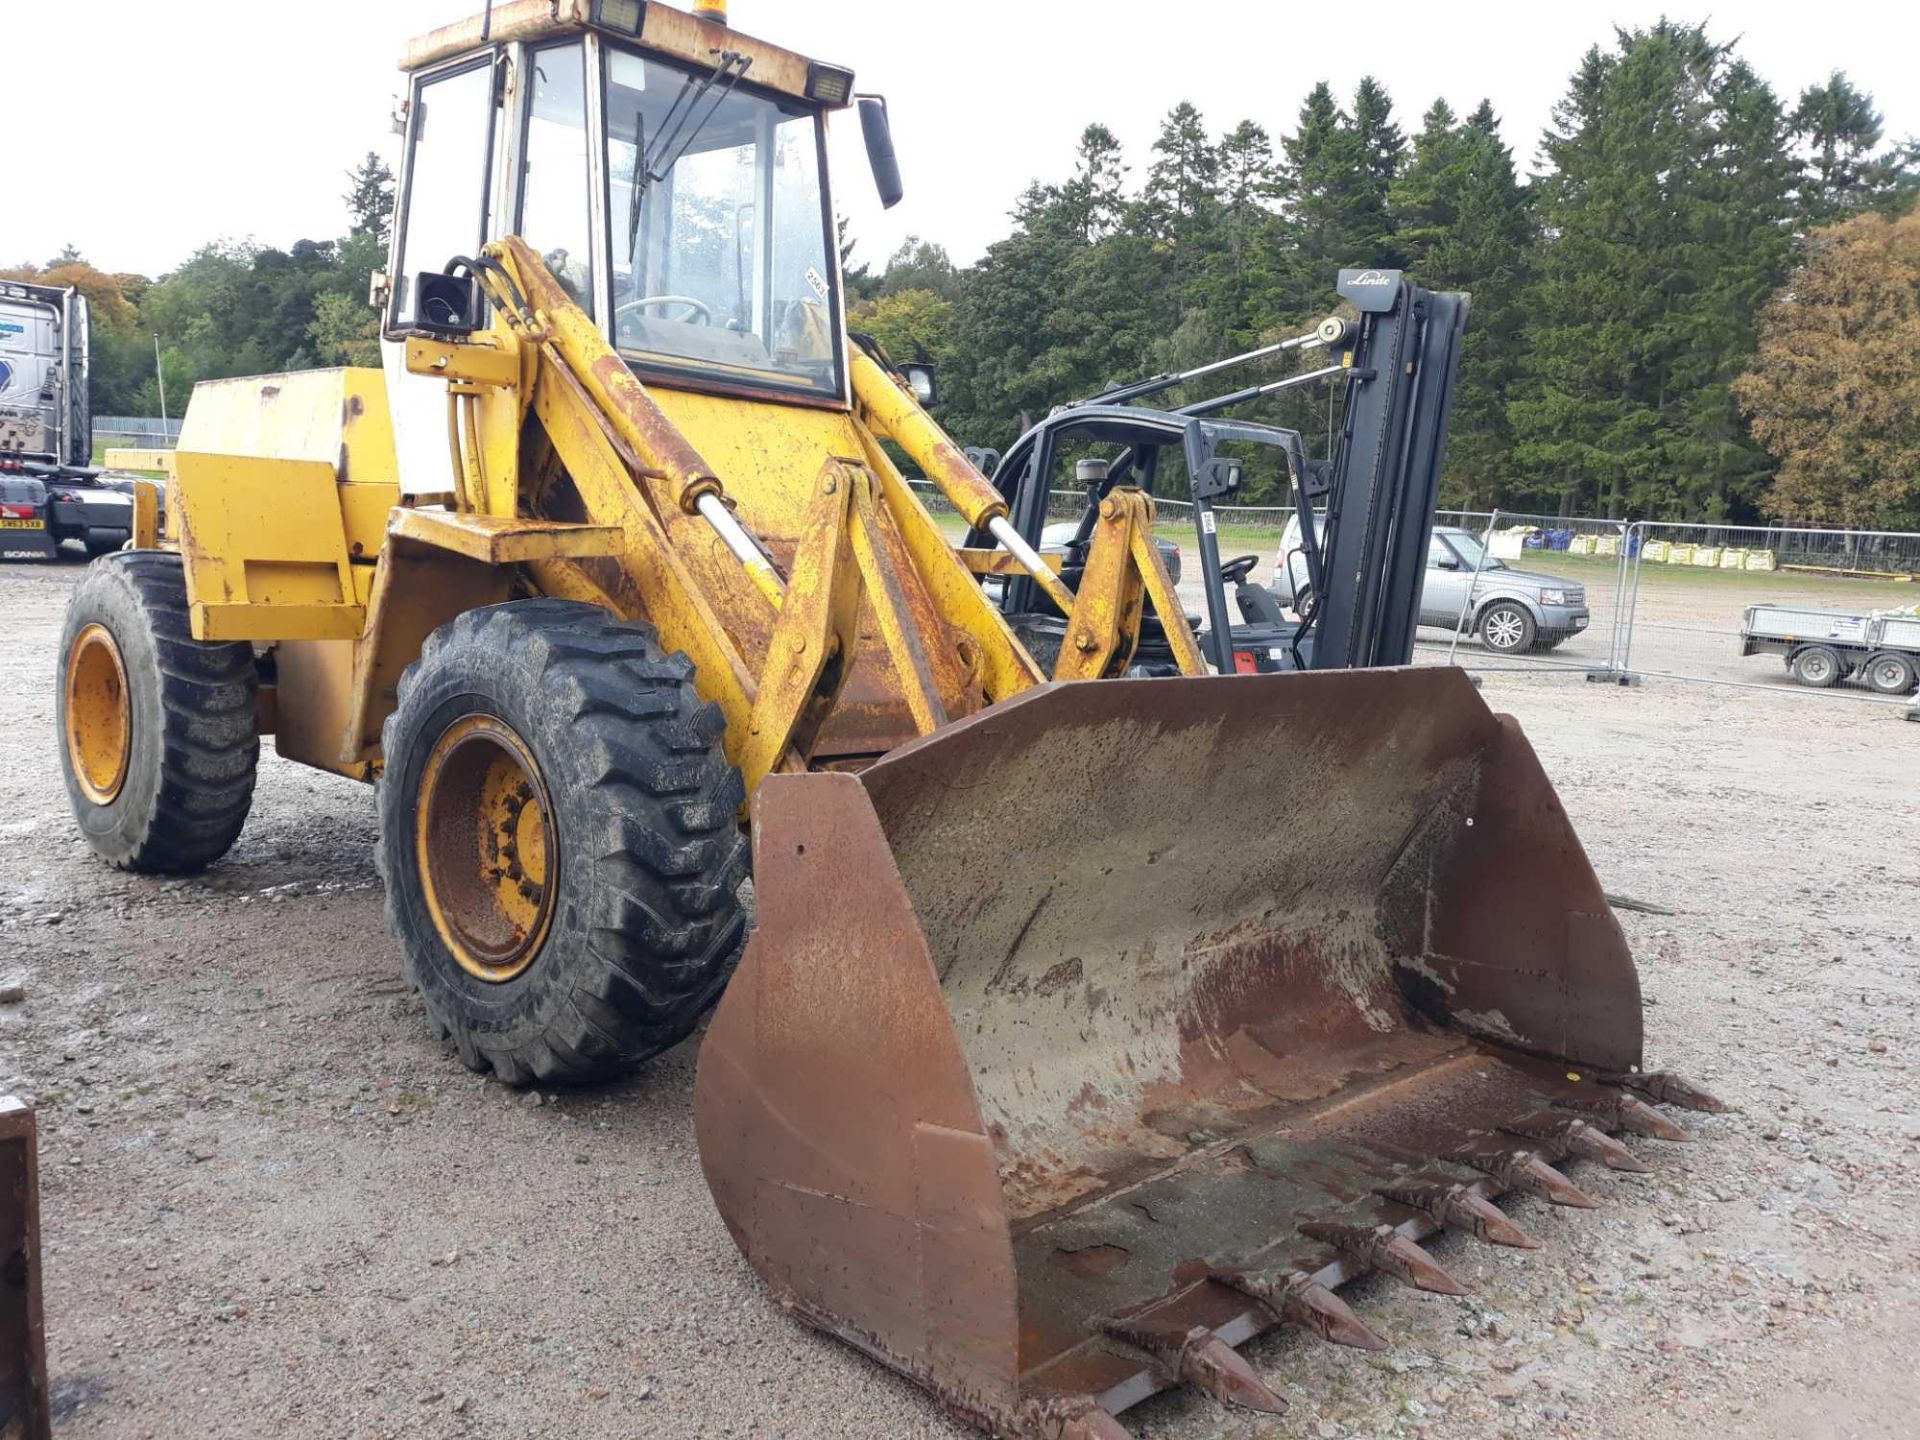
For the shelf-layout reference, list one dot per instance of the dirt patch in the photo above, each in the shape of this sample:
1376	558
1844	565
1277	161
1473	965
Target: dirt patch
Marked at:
274	1205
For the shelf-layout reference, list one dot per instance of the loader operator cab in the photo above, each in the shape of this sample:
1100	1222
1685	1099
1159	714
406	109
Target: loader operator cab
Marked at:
670	172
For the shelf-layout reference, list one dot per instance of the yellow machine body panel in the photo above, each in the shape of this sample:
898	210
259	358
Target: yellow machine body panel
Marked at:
280	494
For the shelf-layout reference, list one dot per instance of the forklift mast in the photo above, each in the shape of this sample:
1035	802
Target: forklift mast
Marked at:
1386	472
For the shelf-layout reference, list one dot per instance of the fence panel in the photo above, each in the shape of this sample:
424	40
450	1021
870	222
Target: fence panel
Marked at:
1745	605
136	432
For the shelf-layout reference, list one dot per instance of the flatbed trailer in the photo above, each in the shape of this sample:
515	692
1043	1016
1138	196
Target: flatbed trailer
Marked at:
1823	647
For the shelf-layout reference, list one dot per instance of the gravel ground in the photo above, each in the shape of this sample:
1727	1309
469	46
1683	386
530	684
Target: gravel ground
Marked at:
274	1205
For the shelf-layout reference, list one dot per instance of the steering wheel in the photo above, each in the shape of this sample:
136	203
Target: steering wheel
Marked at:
1235	572
697	309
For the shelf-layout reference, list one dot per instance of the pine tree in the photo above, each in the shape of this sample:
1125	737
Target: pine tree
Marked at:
1382	146
1096	195
369	199
1180	206
1666	205
1333	187
1464	223
1836	131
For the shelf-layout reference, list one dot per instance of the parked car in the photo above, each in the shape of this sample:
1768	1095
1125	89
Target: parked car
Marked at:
1511	611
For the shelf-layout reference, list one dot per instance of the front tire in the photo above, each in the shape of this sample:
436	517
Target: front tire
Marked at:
1507	628
158	737
559	841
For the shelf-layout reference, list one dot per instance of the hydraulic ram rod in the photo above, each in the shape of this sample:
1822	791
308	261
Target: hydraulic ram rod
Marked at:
1122	394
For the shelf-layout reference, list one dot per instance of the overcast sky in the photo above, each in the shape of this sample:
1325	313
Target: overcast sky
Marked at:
171	124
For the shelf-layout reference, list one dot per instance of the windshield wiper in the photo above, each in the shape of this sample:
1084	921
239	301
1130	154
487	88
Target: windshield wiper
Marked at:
678	130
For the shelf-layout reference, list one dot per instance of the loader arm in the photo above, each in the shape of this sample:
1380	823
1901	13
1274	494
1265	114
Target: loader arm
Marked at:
548	423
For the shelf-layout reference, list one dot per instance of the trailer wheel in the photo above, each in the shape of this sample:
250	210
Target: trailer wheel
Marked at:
159	742
1890	674
559	840
1817	666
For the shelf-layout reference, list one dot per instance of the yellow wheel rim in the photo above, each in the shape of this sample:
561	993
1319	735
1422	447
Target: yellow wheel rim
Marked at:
99	714
484	839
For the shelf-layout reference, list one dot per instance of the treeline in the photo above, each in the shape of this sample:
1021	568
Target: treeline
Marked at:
234	308
1618	294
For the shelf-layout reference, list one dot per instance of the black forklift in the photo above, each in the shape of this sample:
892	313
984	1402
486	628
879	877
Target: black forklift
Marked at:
1393	365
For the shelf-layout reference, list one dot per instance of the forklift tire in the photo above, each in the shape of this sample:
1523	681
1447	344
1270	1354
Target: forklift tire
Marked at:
560	841
159	739
1818	667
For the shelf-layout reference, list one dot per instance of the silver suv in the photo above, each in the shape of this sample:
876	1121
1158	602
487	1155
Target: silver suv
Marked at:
1512	611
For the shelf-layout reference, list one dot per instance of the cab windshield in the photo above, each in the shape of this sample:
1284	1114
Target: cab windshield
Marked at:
720	229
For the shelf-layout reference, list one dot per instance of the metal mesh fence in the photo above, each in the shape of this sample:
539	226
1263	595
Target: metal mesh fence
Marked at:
1780	608
1677	601
136	432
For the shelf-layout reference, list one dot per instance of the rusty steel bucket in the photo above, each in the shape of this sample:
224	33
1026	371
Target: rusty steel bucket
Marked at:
1088	1037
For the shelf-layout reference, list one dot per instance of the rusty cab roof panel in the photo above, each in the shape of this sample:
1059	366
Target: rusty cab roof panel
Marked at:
668	31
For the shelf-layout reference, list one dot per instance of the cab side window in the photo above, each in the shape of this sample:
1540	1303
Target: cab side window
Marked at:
554	217
447	177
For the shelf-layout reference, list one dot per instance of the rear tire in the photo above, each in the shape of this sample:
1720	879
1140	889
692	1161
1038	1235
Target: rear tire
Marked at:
1507	628
586	920
1890	674
158	737
1819	667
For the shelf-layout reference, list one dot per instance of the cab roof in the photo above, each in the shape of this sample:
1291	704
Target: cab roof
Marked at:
664	29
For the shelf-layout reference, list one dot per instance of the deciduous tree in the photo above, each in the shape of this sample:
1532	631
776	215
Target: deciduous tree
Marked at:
1834	393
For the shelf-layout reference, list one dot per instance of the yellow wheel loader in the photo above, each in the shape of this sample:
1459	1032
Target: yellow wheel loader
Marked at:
1089	1026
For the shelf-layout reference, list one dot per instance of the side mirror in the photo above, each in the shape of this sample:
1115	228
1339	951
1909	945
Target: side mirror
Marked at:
919	377
1218	476
1447	563
877	126
984	460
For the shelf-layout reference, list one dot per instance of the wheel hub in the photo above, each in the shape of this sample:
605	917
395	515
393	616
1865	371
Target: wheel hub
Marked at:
99	715
484	835
1503	631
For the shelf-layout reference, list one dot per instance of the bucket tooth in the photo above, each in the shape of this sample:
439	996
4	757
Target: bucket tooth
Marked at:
1217	1368
1575	1136
1202	1359
1076	1417
1459	1208
1383	1248
1625	1112
1666	1088
1519	1169
1299	1299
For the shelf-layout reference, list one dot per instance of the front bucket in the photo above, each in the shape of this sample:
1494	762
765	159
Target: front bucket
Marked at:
1089	1036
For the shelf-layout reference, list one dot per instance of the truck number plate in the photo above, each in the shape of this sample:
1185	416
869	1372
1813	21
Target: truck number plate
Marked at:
9	523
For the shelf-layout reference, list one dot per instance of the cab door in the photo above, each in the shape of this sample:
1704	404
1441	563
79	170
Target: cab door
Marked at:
447	184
